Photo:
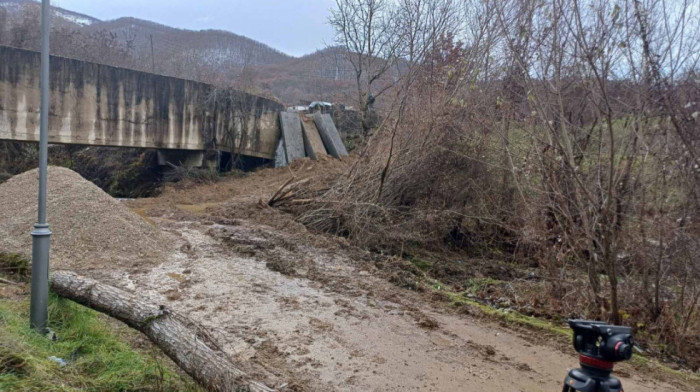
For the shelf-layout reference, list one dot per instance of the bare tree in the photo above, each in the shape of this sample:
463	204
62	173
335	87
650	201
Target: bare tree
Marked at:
365	28
422	27
25	32
3	25
573	105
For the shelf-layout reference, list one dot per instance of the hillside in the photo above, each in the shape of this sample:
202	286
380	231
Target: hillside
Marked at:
324	75
212	47
212	56
18	7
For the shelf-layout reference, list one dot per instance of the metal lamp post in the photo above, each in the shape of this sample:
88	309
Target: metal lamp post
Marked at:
41	235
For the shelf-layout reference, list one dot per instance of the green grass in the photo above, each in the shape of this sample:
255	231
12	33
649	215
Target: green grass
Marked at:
422	265
555	329
475	285
512	317
98	359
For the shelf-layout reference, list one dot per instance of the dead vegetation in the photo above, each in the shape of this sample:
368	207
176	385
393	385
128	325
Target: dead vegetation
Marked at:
557	139
14	266
121	172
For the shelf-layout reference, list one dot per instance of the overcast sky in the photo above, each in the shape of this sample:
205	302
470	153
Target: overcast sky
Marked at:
296	27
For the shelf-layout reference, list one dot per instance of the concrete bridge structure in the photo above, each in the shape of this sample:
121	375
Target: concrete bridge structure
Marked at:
100	105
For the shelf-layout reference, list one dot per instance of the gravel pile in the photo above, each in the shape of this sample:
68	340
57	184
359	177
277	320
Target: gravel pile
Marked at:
91	230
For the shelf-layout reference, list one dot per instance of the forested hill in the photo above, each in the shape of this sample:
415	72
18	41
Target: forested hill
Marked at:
213	47
212	56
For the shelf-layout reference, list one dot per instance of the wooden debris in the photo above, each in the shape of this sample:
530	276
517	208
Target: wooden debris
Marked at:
286	193
187	344
5	281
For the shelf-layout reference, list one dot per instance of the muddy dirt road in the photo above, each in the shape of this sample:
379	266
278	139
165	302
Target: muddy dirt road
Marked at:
306	312
332	326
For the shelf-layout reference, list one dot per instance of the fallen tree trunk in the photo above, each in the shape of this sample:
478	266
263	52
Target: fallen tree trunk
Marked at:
5	281
182	340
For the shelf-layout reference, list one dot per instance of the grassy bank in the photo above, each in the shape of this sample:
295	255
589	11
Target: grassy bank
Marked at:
552	329
95	350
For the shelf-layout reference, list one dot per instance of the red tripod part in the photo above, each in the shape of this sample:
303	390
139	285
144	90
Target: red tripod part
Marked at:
599	346
595	363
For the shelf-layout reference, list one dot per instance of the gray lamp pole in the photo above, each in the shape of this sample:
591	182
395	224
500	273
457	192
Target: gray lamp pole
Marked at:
41	235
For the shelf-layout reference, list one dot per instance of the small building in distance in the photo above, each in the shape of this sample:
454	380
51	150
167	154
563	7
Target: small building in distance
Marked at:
320	106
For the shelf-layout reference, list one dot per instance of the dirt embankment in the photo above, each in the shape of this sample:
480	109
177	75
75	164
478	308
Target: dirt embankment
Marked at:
91	230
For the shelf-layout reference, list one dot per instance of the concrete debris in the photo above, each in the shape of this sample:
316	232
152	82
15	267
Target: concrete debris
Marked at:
303	136
312	140
290	125
329	134
281	155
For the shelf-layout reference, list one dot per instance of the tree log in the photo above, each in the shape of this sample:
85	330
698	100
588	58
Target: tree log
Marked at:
182	340
5	281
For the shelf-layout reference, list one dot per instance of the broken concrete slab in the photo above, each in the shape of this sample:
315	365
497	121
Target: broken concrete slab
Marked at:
329	134
312	140
281	155
290	123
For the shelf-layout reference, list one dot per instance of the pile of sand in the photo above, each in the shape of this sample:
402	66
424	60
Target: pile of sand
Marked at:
91	230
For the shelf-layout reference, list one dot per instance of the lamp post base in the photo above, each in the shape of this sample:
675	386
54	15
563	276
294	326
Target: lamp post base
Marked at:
41	243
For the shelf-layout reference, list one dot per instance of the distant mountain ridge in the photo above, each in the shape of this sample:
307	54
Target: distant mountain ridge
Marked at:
212	56
239	48
215	46
15	6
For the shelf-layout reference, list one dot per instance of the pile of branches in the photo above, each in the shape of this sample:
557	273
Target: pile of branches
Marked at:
430	192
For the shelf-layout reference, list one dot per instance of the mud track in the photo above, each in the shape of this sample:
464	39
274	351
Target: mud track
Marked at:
307	313
325	324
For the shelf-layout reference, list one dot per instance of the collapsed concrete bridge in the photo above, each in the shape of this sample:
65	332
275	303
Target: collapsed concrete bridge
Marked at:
99	105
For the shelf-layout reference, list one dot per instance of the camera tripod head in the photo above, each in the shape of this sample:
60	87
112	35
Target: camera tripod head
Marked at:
603	342
600	345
